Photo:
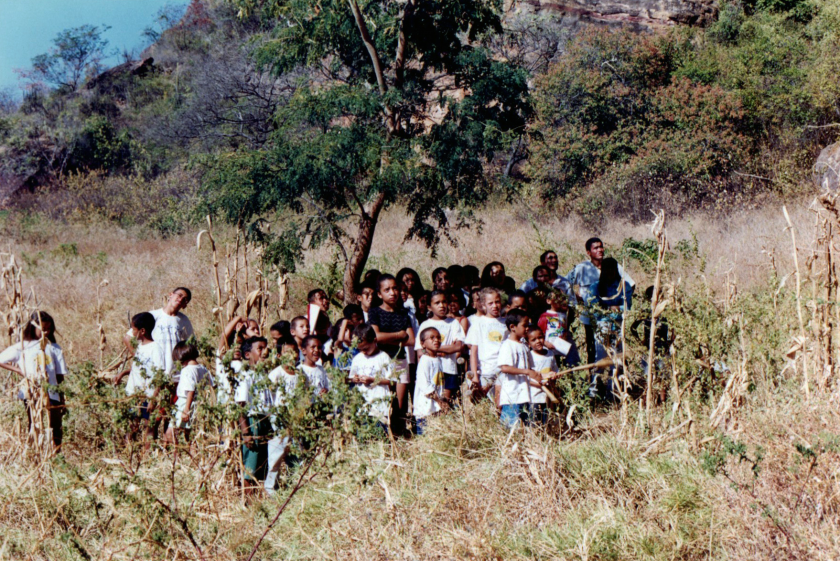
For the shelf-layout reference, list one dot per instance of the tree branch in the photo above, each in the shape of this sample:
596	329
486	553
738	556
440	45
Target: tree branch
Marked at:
371	48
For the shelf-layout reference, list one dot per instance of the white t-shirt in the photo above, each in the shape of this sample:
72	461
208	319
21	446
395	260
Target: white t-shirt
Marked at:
514	388
317	378
544	364
253	392
377	396
224	389
147	359
429	380
169	331
191	379
450	331
31	359
487	333
285	382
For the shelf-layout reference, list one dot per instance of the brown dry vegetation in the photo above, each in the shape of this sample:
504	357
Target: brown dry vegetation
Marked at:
761	483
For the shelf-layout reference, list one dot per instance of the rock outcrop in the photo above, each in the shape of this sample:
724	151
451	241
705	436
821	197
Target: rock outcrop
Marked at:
641	14
827	168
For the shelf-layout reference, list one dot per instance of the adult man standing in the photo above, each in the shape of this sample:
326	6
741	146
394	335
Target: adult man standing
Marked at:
549	260
584	275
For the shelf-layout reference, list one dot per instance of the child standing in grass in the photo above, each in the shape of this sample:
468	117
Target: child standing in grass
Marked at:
284	380
192	379
148	361
254	423
311	366
485	338
452	344
544	361
374	376
516	371
38	353
428	390
394	334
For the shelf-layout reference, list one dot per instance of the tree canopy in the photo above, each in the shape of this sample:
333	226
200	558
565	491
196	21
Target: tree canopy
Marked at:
77	53
401	103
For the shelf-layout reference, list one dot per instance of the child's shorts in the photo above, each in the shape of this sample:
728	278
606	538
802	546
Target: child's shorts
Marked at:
401	369
451	381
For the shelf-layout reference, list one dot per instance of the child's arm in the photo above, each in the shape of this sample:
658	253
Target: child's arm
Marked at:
247	439
409	343
531	373
185	415
11	367
395	338
455	347
120	376
474	360
228	331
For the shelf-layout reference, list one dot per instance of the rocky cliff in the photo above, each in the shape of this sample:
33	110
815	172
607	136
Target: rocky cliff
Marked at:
643	14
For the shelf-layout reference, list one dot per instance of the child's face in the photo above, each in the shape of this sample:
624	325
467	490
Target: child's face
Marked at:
442	281
355	320
367	348
493	305
404	294
536	340
312	351
389	292
255	355
290	351
252	328
410	281
517	302
300	330
423	304
432	341
320	299
542	276
439	306
520	329
366	298
454	304
275	336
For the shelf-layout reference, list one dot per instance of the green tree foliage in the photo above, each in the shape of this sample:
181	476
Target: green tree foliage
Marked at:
612	104
77	53
402	103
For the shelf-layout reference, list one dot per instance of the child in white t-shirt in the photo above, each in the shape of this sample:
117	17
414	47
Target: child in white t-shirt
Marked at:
544	361
485	338
516	371
253	396
373	373
192	379
428	389
312	368
35	356
148	362
285	380
452	341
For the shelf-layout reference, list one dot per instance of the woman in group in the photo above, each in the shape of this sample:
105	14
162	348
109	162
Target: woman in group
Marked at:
493	276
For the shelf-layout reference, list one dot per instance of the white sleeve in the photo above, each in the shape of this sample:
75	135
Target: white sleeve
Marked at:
188	330
58	360
354	366
506	356
473	337
11	355
425	374
243	389
457	331
625	276
188	378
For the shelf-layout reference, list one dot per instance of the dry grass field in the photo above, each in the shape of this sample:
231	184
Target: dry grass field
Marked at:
740	463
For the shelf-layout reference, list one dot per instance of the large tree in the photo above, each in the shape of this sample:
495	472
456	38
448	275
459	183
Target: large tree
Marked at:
402	104
77	53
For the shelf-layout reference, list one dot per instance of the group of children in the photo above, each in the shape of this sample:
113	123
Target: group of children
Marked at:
410	352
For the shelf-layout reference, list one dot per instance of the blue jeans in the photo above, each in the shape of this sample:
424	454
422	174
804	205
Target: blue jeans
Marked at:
513	413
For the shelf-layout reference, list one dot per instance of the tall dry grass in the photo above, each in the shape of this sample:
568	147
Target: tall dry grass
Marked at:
742	465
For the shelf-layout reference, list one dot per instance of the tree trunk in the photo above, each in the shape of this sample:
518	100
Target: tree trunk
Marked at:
361	247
